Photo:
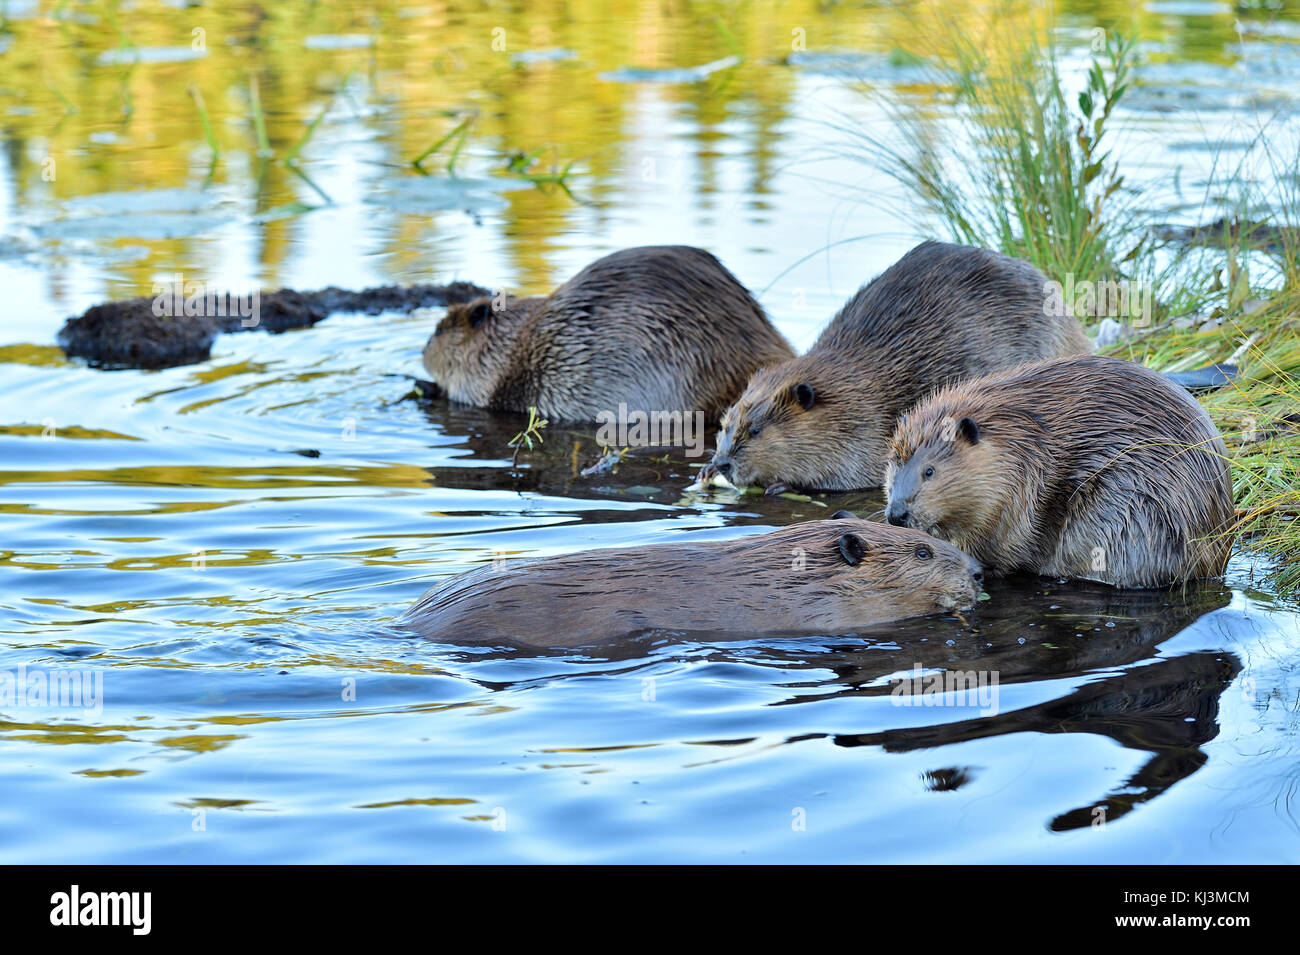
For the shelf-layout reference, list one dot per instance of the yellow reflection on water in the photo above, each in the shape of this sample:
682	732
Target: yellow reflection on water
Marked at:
96	99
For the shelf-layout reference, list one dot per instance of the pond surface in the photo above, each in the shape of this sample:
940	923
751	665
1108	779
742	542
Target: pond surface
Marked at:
219	550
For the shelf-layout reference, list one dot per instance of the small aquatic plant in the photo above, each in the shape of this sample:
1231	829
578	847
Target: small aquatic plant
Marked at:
515	162
531	433
458	134
214	146
522	164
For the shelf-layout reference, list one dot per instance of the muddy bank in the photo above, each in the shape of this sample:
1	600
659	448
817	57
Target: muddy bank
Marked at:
130	333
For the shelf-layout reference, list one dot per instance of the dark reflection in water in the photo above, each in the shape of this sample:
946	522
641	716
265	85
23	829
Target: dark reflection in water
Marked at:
657	475
1102	646
1032	630
1166	707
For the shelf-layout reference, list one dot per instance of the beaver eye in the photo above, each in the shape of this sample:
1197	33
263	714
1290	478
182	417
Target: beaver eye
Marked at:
755	431
929	472
923	553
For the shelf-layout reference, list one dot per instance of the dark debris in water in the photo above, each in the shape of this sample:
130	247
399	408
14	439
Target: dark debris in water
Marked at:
427	390
1273	238
128	333
946	780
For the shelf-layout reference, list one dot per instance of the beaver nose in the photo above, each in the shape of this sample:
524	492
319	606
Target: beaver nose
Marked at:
723	467
977	575
897	515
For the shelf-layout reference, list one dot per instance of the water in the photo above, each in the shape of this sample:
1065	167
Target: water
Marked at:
223	546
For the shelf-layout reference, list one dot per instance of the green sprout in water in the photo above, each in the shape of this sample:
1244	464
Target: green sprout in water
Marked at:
259	120
459	133
517	162
214	145
521	164
265	152
526	437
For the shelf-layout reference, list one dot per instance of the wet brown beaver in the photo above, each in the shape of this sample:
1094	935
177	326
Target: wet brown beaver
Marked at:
1088	467
827	576
942	313
655	328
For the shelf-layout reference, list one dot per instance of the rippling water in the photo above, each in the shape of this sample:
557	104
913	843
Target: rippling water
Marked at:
218	550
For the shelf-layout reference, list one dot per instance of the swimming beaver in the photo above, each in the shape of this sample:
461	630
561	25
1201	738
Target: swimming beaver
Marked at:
658	328
1087	467
942	313
826	576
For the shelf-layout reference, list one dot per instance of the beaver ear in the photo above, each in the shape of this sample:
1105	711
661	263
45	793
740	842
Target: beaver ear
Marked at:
841	515
969	430
804	394
478	313
852	548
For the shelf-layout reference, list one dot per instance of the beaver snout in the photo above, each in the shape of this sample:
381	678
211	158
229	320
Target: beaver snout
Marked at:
970	600
714	474
897	515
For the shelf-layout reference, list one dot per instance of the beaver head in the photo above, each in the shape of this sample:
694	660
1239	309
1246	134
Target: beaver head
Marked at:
470	348
914	570
944	476
803	424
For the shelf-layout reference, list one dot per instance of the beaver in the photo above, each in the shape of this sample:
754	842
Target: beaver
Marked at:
1090	468
827	576
942	313
655	328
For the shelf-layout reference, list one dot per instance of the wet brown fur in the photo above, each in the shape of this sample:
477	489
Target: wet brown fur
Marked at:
941	314
751	585
1091	468
658	328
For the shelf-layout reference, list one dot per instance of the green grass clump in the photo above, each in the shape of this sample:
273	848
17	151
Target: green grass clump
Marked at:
1044	187
1259	414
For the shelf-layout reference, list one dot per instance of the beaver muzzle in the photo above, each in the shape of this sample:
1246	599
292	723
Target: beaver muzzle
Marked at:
713	476
969	596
